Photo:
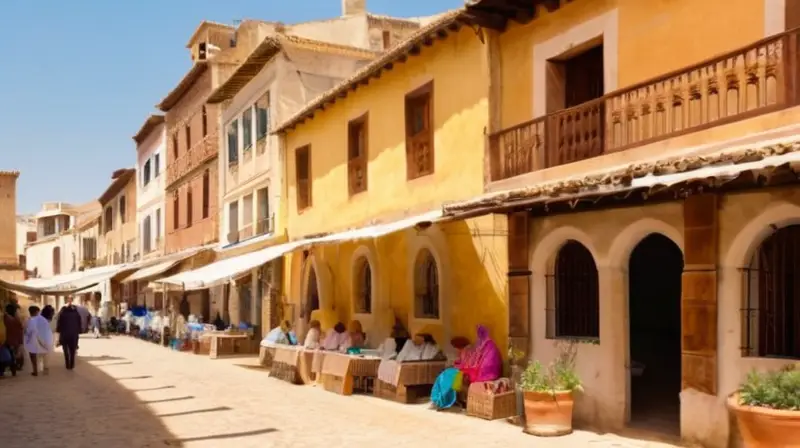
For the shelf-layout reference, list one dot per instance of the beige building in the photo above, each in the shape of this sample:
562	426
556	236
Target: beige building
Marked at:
150	182
26	231
53	251
10	268
118	234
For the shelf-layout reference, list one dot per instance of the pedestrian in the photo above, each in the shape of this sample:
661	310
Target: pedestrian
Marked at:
15	334
69	327
97	326
39	338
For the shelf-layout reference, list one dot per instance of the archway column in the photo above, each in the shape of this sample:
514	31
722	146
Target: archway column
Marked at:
614	340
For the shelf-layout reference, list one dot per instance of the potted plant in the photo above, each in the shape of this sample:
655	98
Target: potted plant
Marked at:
767	408
548	393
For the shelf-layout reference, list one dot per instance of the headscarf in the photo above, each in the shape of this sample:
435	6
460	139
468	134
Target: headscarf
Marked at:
483	362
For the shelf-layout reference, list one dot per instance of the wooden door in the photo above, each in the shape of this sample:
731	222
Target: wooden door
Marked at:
584	77
699	295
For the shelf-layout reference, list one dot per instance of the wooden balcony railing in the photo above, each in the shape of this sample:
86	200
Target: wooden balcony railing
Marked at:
198	154
760	78
357	175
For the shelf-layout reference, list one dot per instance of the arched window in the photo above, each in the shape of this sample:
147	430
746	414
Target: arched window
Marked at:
311	300
362	286
771	321
575	294
426	286
56	260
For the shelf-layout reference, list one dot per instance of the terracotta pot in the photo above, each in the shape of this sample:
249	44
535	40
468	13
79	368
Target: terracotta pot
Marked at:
764	427
548	414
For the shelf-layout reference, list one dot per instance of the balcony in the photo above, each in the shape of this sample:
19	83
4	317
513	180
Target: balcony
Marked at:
201	152
761	78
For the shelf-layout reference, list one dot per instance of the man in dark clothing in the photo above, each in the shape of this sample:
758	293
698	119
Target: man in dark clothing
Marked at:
69	327
14	334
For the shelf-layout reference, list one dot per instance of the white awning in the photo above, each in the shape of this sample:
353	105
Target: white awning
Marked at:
66	284
222	271
160	265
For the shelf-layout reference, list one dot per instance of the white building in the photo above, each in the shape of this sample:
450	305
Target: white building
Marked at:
150	184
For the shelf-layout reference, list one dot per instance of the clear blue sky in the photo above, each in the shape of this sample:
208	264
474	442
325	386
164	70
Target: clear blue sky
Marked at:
78	78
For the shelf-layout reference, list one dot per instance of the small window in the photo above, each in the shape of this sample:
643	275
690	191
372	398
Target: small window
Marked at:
156	165
363	286
146	173
205	122
56	260
175	145
575	299
146	235
303	173
419	133
123	209
176	211
108	219
426	286
233	142
233	217
189	207
262	117
188	131
357	155
158	225
247	129
387	39
206	193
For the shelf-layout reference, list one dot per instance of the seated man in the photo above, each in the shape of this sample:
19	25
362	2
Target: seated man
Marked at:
281	334
422	347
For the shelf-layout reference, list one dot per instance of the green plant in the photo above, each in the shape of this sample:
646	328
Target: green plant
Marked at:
558	376
776	390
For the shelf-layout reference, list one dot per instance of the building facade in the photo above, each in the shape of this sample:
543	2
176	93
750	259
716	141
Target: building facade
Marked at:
10	269
150	182
387	148
119	234
52	252
629	180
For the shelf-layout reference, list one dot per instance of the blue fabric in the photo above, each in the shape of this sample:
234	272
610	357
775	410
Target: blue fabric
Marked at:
443	395
5	355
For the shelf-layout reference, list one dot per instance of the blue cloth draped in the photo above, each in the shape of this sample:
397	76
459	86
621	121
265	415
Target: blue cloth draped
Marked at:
443	395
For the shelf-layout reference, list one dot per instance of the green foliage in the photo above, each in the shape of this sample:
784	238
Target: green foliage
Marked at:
558	376
774	390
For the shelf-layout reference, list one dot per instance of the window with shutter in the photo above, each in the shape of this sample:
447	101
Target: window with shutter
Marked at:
303	174
419	132
357	155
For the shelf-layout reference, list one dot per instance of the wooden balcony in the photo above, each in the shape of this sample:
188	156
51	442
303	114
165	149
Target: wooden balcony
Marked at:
201	152
761	78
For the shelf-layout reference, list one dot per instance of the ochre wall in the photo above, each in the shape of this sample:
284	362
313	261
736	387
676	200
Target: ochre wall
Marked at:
8	218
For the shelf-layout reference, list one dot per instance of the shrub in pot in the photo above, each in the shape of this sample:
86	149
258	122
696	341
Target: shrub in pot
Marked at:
548	393
767	408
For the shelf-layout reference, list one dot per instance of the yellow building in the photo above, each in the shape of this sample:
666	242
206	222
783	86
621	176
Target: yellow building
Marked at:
355	159
630	142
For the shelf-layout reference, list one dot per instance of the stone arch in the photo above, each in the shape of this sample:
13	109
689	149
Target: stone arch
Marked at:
750	237
629	238
320	269
365	254
544	254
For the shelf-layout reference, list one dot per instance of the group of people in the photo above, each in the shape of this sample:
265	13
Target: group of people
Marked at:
339	338
35	336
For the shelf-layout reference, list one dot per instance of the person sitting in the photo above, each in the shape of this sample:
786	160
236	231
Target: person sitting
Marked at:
422	347
312	337
479	363
336	339
395	342
279	335
220	324
356	338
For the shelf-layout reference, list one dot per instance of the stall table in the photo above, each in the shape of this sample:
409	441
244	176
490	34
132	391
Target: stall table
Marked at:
341	373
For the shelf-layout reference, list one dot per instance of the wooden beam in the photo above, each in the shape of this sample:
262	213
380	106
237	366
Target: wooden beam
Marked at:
551	5
487	20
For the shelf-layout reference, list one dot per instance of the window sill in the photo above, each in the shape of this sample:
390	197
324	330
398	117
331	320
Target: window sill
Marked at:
579	340
428	320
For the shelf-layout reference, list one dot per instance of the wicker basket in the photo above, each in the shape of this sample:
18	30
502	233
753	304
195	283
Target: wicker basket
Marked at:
490	406
265	356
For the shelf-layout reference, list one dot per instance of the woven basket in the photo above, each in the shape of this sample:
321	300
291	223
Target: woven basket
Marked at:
491	406
265	356
420	372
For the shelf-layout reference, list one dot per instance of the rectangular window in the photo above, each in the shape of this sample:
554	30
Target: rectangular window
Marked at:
175	145
247	206
108	219
205	122
158	225
387	39
188	137
247	129
122	209
233	142
302	158
146	236
189	207
262	116
206	193
176	211
146	173
419	132
264	224
233	217
156	165
357	155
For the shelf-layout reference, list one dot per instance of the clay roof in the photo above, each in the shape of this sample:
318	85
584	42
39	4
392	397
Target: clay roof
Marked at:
671	178
427	35
271	46
172	98
149	125
120	178
207	24
9	173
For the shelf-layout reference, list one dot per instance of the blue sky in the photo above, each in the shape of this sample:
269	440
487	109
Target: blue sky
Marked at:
78	78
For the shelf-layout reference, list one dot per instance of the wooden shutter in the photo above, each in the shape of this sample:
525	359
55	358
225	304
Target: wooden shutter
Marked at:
699	295
792	14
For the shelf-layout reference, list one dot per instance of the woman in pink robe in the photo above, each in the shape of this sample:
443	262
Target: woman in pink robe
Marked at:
483	362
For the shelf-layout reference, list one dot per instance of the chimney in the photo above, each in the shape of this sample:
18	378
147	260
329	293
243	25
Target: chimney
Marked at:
353	7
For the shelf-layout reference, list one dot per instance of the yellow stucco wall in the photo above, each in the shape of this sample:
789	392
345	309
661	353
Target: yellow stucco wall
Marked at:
652	40
471	255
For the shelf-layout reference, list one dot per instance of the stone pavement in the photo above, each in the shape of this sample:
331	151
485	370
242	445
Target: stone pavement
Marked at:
131	394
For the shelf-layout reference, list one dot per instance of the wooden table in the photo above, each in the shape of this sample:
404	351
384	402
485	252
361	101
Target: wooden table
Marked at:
341	372
224	343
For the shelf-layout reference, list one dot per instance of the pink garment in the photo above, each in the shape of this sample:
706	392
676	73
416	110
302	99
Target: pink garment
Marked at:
334	341
482	362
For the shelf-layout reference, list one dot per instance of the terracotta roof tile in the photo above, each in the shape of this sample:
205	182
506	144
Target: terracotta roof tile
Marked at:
172	98
147	127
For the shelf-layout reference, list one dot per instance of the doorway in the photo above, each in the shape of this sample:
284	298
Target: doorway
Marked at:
654	300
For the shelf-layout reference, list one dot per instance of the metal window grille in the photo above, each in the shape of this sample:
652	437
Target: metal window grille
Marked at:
574	310
427	287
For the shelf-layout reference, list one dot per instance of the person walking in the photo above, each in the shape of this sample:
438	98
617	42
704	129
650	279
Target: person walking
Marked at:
39	338
69	327
14	336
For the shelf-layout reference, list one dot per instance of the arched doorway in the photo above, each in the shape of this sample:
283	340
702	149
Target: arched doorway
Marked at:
311	300
654	300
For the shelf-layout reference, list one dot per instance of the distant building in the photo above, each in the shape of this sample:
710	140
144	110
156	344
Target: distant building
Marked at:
10	268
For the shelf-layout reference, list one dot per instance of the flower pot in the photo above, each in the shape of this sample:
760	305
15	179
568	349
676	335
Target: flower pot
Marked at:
765	427
548	414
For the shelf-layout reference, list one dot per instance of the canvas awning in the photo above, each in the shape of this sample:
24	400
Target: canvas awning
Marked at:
66	284
222	271
163	264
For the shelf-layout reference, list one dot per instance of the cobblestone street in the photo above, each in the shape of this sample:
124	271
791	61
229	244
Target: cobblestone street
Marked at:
127	393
